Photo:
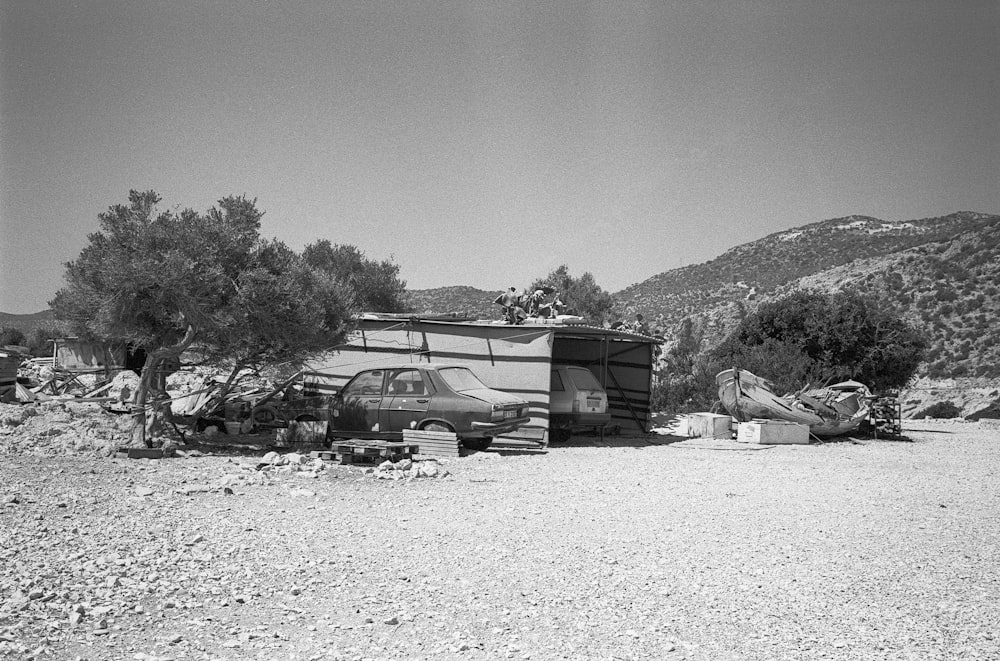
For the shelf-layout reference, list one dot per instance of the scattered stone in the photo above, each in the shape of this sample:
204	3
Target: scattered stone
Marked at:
273	458
144	491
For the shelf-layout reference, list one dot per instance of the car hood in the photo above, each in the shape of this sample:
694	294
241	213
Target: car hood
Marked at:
491	396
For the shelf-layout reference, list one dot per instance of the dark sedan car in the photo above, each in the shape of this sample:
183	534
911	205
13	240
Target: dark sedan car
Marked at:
381	403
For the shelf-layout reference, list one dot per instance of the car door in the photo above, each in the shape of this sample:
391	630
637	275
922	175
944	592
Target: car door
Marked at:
356	407
408	397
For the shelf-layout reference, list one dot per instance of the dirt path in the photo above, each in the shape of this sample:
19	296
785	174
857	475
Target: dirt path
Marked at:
877	551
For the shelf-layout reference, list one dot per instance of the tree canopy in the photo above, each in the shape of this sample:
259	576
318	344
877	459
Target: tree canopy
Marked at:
375	284
582	296
815	337
168	281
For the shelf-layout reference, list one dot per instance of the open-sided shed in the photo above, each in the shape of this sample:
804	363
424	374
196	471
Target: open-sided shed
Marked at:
515	359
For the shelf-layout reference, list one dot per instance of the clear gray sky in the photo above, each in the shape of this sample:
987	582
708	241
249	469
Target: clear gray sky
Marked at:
487	143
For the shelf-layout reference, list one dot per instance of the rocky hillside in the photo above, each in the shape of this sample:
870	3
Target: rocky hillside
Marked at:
941	273
462	300
27	322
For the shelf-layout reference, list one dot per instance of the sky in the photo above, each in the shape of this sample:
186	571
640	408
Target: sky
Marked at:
487	143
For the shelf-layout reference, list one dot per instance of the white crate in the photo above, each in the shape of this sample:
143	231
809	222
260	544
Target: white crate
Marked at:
773	432
710	425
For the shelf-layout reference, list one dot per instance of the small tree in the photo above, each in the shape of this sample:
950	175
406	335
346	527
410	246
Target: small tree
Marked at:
582	296
165	281
376	285
686	378
10	335
818	338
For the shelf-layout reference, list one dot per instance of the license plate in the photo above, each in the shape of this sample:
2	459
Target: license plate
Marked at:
593	403
510	414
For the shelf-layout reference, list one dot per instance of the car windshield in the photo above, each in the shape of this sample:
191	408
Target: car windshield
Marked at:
460	379
584	379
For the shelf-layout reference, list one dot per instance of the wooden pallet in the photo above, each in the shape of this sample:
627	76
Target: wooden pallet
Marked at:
366	452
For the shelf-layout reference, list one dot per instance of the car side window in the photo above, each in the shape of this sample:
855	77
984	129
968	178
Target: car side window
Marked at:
407	382
365	384
556	384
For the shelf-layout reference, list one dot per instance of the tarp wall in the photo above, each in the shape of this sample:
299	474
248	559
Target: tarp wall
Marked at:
514	359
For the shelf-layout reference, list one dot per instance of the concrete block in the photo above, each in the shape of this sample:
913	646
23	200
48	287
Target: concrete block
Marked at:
773	432
710	425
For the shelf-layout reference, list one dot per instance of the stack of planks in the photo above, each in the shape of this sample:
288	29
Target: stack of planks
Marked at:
433	443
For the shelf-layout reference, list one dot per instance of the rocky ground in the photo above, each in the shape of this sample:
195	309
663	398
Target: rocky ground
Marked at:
630	548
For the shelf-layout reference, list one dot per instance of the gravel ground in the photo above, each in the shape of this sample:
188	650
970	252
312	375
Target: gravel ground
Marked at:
619	550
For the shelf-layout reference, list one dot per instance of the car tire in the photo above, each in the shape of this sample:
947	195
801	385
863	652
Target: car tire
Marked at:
267	415
437	426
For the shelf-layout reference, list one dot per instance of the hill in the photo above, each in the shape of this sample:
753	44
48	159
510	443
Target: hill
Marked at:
27	322
465	301
940	273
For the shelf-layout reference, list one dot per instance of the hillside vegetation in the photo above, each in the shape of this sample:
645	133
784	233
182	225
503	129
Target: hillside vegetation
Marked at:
465	301
27	322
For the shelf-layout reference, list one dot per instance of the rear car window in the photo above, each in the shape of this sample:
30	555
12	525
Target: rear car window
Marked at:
584	379
460	379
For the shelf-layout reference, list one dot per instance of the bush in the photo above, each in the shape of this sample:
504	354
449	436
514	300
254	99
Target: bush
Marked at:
39	340
940	410
11	335
812	337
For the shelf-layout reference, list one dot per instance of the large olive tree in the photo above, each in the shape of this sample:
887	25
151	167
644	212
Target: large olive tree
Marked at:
167	281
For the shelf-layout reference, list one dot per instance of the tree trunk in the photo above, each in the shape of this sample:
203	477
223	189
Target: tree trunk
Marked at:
139	422
147	429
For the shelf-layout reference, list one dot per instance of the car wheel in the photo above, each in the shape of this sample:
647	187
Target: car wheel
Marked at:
437	426
477	444
268	416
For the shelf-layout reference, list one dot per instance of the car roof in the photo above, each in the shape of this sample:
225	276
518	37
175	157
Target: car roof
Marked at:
426	366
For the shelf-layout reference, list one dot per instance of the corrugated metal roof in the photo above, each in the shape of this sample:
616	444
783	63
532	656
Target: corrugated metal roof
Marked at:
557	328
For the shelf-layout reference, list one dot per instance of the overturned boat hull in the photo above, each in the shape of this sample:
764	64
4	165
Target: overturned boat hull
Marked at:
831	411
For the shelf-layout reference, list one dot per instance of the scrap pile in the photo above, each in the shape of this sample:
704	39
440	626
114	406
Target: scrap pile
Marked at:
886	416
519	305
830	411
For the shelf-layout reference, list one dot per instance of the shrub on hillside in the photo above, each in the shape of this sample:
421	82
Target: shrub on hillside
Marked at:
940	410
39	340
10	335
812	337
